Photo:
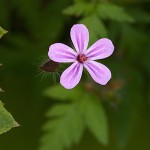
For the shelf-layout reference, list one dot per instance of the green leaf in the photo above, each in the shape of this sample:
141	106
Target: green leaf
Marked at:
2	31
96	119
60	93
6	120
79	9
64	130
71	118
113	12
58	111
96	27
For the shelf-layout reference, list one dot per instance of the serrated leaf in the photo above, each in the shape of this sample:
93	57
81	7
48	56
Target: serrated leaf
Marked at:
6	120
113	12
2	31
79	9
60	93
68	126
68	120
96	119
58	111
64	130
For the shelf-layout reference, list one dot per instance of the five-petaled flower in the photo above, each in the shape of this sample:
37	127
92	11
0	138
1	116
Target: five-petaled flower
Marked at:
82	57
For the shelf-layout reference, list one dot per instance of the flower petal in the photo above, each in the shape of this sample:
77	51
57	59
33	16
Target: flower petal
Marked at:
72	75
80	37
101	49
99	72
59	52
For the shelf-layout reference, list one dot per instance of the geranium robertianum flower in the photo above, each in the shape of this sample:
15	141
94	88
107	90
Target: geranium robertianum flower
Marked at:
82	57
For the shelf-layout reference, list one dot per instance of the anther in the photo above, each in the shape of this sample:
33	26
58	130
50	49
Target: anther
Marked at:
81	58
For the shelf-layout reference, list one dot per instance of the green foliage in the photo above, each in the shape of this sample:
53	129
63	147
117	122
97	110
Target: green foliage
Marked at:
2	31
70	119
6	120
58	92
96	119
113	12
104	10
96	27
79	9
66	129
93	15
39	23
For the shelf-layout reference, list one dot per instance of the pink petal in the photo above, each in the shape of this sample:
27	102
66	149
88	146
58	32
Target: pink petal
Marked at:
101	49
99	72
59	52
80	37
72	75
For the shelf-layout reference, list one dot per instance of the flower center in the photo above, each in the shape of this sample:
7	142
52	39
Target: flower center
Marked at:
81	58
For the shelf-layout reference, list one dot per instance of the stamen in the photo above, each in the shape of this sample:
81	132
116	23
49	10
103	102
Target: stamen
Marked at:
81	58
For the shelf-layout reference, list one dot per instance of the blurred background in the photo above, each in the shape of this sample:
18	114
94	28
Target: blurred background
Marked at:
124	103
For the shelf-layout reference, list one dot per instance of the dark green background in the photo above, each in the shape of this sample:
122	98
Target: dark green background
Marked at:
33	26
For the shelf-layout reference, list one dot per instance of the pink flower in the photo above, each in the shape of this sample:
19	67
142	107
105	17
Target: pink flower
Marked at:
82	57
